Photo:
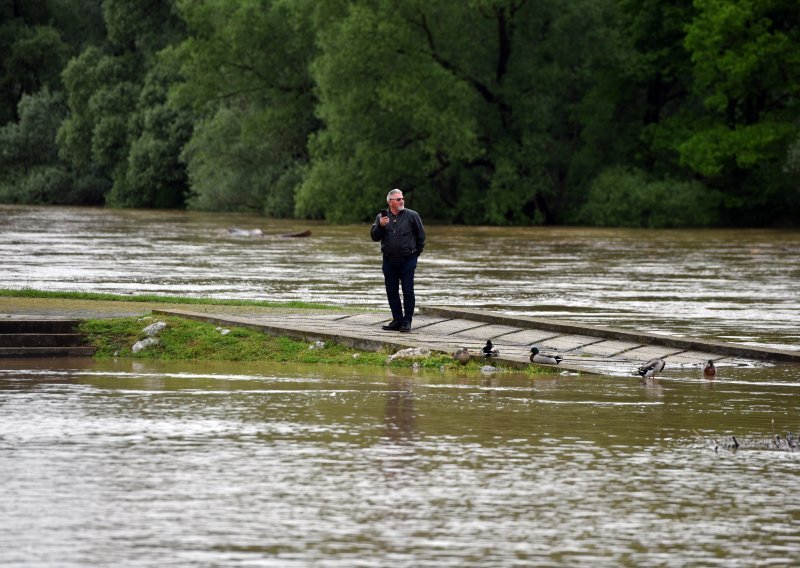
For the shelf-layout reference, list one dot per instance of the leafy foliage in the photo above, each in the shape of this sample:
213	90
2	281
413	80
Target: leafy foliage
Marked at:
121	130
31	170
746	69
483	111
31	57
153	174
621	197
254	99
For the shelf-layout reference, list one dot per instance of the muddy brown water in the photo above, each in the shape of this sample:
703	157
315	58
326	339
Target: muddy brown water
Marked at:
734	285
219	464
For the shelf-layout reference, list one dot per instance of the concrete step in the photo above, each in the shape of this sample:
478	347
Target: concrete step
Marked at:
45	352
8	326
31	337
40	340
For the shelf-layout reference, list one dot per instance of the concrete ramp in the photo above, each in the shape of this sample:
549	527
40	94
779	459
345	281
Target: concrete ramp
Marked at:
586	349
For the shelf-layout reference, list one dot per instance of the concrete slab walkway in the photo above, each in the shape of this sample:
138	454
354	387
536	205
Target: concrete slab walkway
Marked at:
587	349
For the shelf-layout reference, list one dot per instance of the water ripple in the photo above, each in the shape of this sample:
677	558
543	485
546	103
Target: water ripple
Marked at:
713	284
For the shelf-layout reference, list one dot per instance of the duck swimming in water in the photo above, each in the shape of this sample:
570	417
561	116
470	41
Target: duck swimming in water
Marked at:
544	358
489	351
651	368
709	371
462	355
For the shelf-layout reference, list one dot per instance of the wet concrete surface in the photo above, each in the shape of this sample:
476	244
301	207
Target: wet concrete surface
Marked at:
440	333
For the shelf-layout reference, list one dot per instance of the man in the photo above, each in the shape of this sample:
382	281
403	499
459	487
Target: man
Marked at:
402	239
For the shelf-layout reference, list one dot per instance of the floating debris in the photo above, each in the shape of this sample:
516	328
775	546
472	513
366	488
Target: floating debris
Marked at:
301	234
785	443
237	232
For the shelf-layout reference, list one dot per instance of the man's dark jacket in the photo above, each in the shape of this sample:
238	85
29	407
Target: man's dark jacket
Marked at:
402	237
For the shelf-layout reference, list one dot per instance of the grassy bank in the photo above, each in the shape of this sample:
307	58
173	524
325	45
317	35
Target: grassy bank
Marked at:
113	323
185	339
156	299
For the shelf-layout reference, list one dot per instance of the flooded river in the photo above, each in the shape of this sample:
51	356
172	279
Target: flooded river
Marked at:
141	463
732	285
155	464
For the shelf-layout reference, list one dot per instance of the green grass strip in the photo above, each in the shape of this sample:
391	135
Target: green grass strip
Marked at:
185	339
151	298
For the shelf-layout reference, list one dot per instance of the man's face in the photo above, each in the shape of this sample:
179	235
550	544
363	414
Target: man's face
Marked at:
396	203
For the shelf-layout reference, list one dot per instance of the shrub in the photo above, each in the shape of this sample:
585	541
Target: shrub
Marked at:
623	197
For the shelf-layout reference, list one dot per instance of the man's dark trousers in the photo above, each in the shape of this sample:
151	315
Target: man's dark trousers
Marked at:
397	273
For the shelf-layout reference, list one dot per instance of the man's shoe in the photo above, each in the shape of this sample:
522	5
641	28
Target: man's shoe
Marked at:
406	327
393	325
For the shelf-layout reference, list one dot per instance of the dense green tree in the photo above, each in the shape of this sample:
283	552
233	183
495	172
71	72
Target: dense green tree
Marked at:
101	94
31	170
607	112
647	99
655	83
153	175
31	141
472	108
746	66
79	22
37	37
121	133
627	197
31	57
247	79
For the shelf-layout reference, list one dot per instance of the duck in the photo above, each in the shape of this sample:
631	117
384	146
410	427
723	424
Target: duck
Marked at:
489	350
651	368
709	371
544	358
462	355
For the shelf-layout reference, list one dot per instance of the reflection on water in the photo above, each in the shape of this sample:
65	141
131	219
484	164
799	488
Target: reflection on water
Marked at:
145	464
399	417
740	285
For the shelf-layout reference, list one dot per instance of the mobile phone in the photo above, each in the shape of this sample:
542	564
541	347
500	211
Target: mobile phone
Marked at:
384	212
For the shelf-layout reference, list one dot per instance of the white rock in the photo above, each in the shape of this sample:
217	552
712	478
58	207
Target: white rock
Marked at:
488	369
224	331
410	352
317	345
154	328
144	344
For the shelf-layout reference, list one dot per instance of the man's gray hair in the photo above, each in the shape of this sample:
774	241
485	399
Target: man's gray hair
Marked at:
395	191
